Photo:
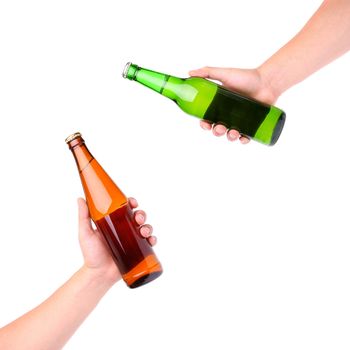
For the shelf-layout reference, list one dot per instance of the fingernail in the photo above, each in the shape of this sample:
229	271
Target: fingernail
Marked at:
145	231
232	136
244	140
219	130
152	240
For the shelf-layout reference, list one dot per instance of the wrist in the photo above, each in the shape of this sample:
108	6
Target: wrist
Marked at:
107	276
270	82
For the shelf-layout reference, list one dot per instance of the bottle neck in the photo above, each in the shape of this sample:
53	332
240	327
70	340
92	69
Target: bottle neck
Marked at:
81	154
103	196
164	84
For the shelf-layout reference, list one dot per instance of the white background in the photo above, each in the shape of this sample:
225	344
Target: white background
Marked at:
254	240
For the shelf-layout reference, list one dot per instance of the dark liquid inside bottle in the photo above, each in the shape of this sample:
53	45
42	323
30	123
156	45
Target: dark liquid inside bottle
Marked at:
241	113
131	252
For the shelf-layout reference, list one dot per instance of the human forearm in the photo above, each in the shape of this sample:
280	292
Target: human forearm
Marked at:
325	37
52	323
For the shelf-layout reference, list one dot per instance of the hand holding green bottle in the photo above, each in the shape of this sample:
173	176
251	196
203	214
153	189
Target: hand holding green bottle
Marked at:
214	103
248	82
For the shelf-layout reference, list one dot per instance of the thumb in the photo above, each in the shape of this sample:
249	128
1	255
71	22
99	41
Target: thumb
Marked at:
85	226
214	73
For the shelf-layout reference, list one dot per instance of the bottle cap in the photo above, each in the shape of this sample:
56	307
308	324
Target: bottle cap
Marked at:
73	137
130	71
125	70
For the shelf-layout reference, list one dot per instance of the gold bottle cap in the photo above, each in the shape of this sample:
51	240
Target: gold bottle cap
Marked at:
73	137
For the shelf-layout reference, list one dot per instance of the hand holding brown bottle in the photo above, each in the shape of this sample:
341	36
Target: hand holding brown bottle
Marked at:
97	257
64	311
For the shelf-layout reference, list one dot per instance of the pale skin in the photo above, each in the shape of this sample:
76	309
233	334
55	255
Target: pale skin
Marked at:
50	325
325	37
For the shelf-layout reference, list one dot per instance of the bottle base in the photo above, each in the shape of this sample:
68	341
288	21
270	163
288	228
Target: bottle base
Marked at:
145	279
146	271
278	129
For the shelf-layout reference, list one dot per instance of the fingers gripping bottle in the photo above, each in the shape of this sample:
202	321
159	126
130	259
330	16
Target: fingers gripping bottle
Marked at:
212	102
110	211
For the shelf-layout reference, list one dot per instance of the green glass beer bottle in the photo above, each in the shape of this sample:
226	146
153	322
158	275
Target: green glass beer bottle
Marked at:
212	102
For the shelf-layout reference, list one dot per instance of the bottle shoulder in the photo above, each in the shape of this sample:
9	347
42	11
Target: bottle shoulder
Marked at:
197	79
199	82
102	194
193	95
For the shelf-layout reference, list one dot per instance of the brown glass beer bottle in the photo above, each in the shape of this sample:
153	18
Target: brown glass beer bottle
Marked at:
110	211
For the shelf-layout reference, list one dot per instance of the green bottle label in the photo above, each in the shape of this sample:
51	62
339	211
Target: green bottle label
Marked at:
266	129
193	95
